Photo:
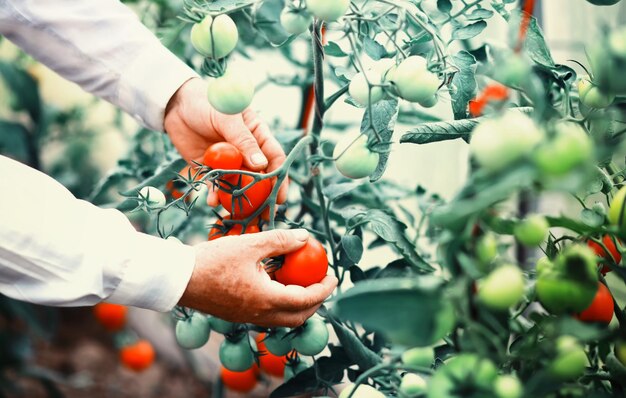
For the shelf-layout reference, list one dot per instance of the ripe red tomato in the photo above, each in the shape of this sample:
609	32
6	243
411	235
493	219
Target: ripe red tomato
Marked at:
237	229
601	308
477	105
111	316
223	156
608	242
305	266
138	356
247	203
240	381
496	92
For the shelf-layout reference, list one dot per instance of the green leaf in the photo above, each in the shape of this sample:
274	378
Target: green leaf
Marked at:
468	31
375	50
385	114
392	230
464	83
479	14
412	312
332	49
267	21
14	141
440	131
24	88
592	218
355	349
444	6
353	247
335	191
412	115
534	44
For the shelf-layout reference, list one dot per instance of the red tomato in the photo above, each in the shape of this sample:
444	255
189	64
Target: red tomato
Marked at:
247	203
305	266
271	364
496	92
223	156
138	356
601	308
240	381
477	105
218	230
111	316
608	242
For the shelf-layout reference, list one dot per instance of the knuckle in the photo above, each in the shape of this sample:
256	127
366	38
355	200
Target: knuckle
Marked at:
282	238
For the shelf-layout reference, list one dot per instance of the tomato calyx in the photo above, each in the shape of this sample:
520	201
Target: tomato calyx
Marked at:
228	226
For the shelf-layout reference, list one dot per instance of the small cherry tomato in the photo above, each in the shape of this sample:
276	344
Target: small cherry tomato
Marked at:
111	316
138	356
600	309
224	156
240	381
305	266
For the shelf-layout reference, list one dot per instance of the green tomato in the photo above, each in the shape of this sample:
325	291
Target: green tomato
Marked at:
230	93
328	10
570	285
474	373
359	88
617	210
617	42
221	326
419	356
362	391
413	81
412	385
353	158
543	264
193	332
238	356
498	142
620	351
514	71
277	342
291	369
153	196
312	338
571	359
603	2
429	103
295	21
215	37
532	231
591	96
508	386
570	147
502	288
486	249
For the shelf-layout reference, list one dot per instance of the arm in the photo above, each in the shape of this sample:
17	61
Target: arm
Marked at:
102	46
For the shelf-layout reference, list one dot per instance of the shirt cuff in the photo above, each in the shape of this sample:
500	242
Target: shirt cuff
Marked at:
150	82
156	276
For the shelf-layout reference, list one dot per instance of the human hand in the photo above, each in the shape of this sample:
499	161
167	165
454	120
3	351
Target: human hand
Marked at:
229	282
193	125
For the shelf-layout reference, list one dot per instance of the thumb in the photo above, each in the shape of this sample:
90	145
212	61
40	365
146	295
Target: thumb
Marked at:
237	133
278	241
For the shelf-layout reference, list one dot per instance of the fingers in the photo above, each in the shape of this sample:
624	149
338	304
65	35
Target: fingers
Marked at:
276	242
287	319
234	130
298	298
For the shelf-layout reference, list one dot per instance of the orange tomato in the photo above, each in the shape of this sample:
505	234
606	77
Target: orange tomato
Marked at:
608	242
600	309
240	381
138	356
111	316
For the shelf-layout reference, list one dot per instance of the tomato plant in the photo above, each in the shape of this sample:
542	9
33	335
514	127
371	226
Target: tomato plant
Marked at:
305	266
215	37
247	202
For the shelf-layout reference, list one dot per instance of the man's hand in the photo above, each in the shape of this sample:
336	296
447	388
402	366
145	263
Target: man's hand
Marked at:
229	282
193	125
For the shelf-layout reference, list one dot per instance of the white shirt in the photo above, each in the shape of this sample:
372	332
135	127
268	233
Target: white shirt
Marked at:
55	249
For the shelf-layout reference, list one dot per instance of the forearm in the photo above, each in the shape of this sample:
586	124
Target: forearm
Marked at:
102	46
57	250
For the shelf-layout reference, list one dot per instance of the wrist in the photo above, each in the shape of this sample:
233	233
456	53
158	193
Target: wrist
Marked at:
177	99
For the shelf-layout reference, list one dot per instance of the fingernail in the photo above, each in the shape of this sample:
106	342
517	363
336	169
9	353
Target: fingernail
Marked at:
258	159
300	234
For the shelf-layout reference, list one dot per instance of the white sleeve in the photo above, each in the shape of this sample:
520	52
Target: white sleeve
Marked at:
61	251
102	46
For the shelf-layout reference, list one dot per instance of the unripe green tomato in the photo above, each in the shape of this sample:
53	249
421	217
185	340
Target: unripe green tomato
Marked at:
617	210
570	147
230	93
277	342
313	337
620	351
193	332
571	359
502	288
543	264
591	96
514	71
237	356
295	21
359	88
419	356
413	81
292	370
328	10
486	249
532	231
362	391
617	42
221	326
153	196
412	385
608	66
215	37
465	369
353	158
429	103
508	386
501	141
603	2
